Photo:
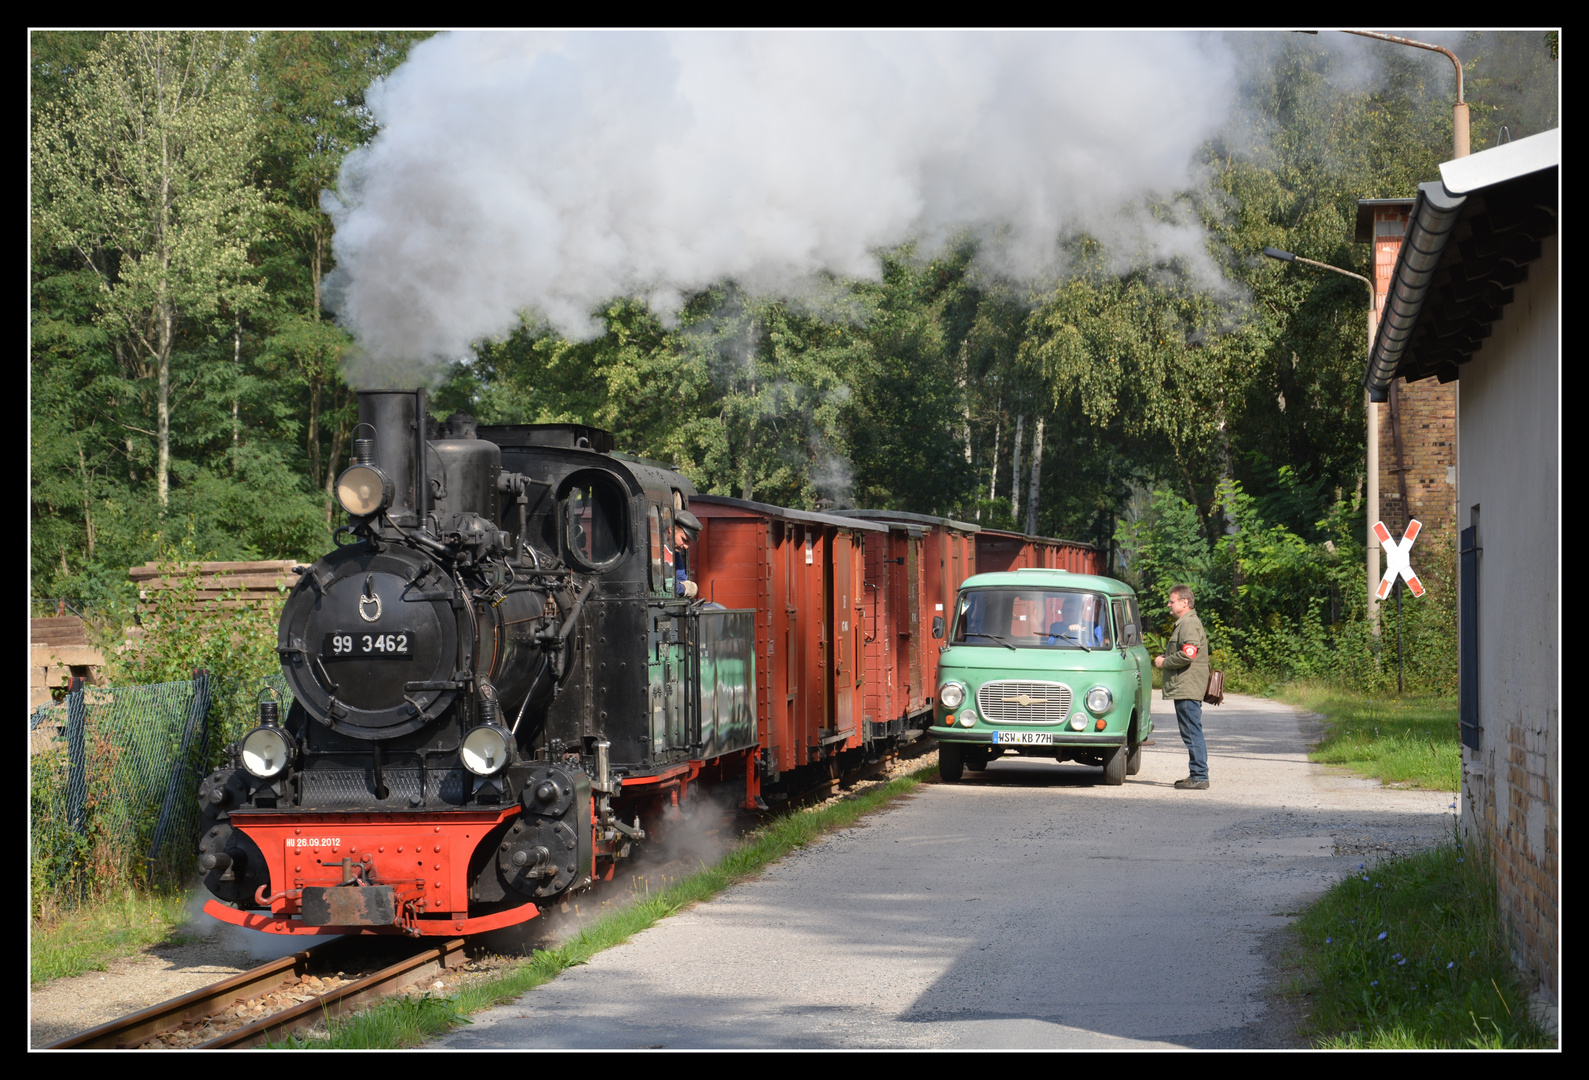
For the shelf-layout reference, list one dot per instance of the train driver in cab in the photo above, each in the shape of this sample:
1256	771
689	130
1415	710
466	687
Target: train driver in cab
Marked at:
686	527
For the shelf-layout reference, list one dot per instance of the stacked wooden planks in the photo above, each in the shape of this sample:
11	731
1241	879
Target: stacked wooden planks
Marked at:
58	649
229	584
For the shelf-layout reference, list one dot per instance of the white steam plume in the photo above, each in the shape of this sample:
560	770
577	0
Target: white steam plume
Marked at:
544	174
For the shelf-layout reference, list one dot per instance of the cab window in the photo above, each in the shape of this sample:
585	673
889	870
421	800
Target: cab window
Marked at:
594	525
655	515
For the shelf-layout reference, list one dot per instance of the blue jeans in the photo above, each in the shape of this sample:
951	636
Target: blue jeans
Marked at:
1189	715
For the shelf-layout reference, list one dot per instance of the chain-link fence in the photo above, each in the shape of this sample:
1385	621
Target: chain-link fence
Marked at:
114	773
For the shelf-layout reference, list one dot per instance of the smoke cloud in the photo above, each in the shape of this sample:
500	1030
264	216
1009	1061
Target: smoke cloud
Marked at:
539	175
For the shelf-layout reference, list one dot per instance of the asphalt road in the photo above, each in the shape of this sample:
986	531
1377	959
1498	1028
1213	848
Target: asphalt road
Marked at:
1028	907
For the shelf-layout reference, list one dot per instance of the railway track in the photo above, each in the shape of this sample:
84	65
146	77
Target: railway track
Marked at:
211	1005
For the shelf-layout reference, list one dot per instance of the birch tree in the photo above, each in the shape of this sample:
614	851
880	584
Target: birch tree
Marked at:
141	170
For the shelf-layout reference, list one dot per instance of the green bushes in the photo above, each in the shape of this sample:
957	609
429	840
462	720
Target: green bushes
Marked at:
1280	606
112	772
182	633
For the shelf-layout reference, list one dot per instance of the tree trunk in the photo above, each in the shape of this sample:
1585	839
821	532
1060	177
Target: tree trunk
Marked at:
164	315
319	249
745	487
339	439
1037	468
163	409
237	360
965	414
1015	472
88	507
315	387
993	481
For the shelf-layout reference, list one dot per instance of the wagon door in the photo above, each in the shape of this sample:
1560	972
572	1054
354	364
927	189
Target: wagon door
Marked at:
845	629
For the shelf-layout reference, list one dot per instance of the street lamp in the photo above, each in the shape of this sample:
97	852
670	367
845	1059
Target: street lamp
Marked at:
1459	111
1370	543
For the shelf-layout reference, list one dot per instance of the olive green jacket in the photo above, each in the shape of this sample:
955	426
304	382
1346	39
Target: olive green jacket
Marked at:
1186	660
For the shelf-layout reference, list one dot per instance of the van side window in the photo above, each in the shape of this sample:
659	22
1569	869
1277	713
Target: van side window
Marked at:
1128	629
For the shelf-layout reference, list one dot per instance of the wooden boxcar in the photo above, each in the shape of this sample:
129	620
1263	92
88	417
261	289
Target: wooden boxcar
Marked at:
999	551
805	575
845	602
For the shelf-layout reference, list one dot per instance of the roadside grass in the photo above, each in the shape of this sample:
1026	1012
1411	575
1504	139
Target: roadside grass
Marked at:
1411	741
1410	953
409	1021
99	930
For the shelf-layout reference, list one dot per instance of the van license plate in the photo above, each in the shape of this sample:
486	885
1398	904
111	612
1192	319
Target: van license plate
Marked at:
1023	738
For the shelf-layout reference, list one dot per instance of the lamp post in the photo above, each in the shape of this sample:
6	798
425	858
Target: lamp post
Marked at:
1459	111
1370	543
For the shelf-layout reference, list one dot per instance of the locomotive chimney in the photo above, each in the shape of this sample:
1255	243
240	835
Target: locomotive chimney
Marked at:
398	417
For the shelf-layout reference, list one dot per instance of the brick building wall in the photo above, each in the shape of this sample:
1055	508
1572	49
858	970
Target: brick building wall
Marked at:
1521	835
1425	414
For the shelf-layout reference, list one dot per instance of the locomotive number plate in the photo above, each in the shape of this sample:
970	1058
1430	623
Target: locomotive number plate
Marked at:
349	644
1023	738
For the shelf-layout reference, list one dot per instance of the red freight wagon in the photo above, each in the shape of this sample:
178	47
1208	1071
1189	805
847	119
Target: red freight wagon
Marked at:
938	554
805	576
999	551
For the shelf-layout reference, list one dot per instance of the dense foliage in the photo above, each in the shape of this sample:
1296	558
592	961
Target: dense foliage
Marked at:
1213	427
184	375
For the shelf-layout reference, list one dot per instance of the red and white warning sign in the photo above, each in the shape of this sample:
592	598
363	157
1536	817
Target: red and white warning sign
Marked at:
1398	558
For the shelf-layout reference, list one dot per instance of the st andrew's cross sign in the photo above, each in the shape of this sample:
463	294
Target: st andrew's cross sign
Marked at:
1398	558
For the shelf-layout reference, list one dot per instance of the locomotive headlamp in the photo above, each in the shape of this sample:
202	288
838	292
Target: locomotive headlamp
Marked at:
266	751
364	490
951	694
485	749
1100	700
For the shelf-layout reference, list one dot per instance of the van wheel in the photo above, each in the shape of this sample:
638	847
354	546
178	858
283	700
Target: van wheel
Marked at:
1114	767
1133	751
978	758
951	762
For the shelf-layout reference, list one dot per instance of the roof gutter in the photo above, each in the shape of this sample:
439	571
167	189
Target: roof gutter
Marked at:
1434	219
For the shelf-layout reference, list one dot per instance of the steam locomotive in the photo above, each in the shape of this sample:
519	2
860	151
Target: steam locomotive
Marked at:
499	688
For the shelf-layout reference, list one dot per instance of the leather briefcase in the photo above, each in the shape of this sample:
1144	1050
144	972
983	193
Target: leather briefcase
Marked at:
1215	694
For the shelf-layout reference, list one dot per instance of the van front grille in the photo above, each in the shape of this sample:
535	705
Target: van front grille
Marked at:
1013	702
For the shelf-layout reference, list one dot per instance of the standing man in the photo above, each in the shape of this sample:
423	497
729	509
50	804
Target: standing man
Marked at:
1185	665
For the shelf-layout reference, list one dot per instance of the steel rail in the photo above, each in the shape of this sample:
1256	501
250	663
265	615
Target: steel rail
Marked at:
138	1028
343	999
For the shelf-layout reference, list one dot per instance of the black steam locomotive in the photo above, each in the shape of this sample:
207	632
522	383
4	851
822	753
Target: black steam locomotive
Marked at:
495	678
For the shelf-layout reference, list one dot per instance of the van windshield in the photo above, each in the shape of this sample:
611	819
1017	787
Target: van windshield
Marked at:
1032	618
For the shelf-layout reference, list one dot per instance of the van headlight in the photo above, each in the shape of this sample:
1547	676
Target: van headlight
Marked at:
951	694
485	749
1100	700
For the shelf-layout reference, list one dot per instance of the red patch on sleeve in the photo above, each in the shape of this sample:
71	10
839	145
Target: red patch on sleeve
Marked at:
1190	650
